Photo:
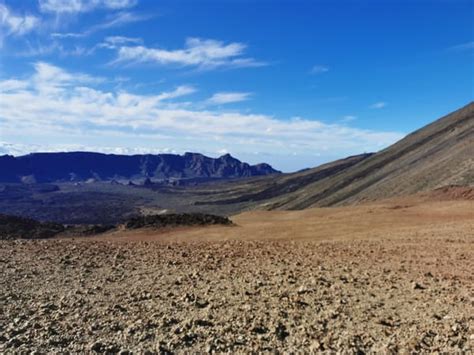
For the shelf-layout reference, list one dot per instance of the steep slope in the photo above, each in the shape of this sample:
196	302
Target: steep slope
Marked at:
264	188
439	154
81	166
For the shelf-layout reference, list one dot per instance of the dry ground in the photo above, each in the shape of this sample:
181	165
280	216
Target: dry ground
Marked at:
392	276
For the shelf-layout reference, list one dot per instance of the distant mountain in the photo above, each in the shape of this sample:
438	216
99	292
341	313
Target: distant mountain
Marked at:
84	166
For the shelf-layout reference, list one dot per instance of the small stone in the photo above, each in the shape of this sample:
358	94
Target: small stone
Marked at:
303	289
97	346
281	332
203	323
259	330
417	286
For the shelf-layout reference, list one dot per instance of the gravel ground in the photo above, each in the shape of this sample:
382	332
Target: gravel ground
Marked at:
413	294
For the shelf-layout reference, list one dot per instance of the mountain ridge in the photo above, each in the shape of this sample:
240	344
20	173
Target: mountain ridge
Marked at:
82	166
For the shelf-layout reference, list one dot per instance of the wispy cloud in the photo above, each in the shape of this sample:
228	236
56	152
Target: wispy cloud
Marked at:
39	48
50	80
182	90
463	47
113	42
54	102
119	19
15	24
221	98
349	118
114	20
76	6
200	53
378	105
22	149
67	35
319	69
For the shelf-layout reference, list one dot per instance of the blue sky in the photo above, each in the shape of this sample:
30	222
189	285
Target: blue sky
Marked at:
291	83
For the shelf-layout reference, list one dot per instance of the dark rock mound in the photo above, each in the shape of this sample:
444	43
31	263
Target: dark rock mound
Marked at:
13	227
85	230
175	220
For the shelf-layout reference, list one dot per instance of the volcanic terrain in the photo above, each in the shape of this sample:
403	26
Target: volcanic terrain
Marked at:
372	253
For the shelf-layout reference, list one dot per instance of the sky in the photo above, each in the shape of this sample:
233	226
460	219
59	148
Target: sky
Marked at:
291	83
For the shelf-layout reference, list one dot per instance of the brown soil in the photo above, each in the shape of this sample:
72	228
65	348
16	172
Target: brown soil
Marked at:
451	192
392	276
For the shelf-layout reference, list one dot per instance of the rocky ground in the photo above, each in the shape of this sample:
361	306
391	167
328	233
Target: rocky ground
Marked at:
119	296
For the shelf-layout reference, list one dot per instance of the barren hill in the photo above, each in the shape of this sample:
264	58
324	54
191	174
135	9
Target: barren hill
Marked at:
437	155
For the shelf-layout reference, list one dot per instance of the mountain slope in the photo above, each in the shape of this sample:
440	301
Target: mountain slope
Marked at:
263	188
81	166
439	154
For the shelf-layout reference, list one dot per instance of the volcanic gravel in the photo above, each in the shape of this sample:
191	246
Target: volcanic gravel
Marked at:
137	296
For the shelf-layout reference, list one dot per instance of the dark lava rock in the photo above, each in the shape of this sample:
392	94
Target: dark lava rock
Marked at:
87	230
13	227
175	220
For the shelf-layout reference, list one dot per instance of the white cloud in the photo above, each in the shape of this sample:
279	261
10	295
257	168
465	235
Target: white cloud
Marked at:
39	48
349	118
201	53
221	98
114	20
56	105
113	42
67	35
182	90
49	79
14	24
12	85
378	105
119	19
18	149
319	69
464	46
75	6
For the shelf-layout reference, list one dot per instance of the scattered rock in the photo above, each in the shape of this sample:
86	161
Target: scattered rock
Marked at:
102	296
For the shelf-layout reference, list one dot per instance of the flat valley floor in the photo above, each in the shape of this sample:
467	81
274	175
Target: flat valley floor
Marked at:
393	276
